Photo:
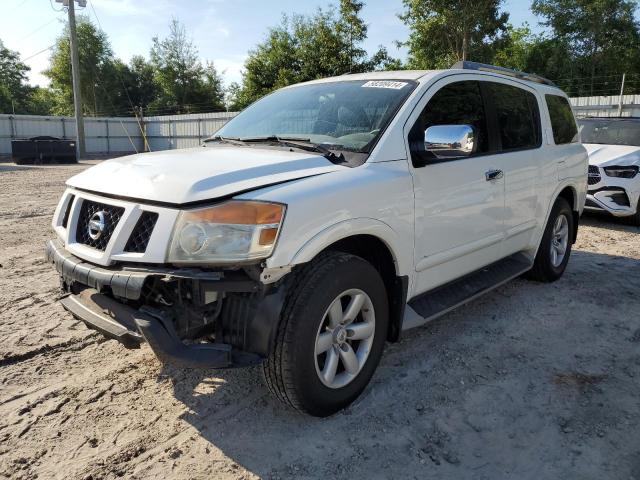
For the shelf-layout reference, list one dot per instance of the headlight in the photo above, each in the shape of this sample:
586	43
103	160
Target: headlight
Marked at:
234	231
622	172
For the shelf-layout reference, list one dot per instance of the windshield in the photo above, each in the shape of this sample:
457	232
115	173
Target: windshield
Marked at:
610	131
345	115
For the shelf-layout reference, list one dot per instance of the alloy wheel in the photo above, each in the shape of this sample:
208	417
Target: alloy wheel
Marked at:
344	338
559	240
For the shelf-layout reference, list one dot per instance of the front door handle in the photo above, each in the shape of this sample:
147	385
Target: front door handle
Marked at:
493	175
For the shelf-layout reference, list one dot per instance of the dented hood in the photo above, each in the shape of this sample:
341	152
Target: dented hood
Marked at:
201	173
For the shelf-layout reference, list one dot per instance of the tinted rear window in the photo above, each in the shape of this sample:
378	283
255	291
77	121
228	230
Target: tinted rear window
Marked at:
517	115
562	122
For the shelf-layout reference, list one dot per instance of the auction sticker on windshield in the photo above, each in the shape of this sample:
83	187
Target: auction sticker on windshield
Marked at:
385	84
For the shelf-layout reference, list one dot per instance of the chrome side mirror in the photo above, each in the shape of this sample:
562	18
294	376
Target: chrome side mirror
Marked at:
450	141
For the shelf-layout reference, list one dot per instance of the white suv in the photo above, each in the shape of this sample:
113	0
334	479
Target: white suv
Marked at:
324	220
613	145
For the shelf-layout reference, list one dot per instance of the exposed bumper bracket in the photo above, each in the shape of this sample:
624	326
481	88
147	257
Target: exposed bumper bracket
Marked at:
131	327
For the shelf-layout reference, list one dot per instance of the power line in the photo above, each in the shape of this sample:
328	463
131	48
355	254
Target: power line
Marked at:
40	27
38	53
18	6
126	91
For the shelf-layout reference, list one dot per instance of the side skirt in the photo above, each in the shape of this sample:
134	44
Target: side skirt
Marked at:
434	303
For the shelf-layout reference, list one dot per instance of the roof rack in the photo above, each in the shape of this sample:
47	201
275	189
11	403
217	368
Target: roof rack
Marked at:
466	65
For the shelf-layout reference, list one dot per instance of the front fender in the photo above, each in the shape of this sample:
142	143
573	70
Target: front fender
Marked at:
356	226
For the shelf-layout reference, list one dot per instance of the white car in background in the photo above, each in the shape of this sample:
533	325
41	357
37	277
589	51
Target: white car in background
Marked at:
614	160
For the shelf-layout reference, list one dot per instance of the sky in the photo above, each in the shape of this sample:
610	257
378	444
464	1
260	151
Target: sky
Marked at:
223	30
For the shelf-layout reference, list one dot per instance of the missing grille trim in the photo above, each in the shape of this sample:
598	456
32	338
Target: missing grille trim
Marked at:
67	211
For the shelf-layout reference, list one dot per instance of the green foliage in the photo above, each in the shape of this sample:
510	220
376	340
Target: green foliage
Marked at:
95	57
304	48
184	84
588	45
600	39
41	101
443	32
14	93
514	49
174	81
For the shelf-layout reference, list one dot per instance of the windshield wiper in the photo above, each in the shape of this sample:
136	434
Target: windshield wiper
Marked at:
295	142
231	140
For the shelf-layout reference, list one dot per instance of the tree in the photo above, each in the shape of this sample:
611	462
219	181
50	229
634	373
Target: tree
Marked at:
304	48
142	88
354	31
443	32
602	37
14	93
514	49
41	101
95	57
184	85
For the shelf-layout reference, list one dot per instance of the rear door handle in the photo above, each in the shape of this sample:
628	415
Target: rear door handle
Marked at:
493	175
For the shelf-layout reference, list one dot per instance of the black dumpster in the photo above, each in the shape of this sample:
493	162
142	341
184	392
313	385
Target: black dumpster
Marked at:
43	150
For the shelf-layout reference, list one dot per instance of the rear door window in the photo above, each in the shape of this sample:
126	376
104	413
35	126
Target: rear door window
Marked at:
563	123
517	116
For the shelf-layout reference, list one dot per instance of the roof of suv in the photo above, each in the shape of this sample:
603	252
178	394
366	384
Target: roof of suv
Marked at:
417	75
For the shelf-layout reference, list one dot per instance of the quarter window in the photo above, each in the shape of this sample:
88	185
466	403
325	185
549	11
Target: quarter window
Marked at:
517	115
563	124
458	103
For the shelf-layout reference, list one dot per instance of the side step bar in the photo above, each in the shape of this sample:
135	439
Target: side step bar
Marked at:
434	303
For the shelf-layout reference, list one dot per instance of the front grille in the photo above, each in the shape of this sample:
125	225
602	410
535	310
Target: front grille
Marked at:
111	217
594	175
141	234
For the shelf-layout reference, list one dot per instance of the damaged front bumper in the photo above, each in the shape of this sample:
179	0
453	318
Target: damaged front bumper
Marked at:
114	302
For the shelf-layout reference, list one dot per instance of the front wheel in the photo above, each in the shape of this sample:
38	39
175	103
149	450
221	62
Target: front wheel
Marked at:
331	335
555	246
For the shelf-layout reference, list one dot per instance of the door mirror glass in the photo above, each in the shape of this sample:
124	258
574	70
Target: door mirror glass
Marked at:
450	141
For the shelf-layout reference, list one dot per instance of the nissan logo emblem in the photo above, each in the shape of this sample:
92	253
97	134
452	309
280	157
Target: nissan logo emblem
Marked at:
96	226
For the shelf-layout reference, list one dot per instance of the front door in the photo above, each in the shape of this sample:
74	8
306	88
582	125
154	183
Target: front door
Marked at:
459	202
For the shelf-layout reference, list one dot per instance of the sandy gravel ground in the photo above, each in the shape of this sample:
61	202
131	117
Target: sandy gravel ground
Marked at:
530	382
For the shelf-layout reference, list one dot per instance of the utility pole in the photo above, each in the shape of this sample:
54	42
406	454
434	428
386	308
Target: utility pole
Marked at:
621	96
75	71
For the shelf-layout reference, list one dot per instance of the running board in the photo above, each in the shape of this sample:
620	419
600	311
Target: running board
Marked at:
445	298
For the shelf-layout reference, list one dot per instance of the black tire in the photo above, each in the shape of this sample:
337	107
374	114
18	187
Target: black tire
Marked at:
543	269
635	218
290	370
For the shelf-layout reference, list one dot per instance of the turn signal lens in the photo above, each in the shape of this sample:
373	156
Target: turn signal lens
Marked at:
238	213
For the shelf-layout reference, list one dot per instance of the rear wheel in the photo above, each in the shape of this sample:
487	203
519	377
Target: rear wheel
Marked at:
555	246
331	335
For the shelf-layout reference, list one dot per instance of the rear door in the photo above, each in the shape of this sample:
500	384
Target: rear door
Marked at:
513	107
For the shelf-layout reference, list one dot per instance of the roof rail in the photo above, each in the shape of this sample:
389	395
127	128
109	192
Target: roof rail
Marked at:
466	65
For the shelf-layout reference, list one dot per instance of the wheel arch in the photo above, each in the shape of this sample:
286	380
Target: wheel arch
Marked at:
375	244
570	194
